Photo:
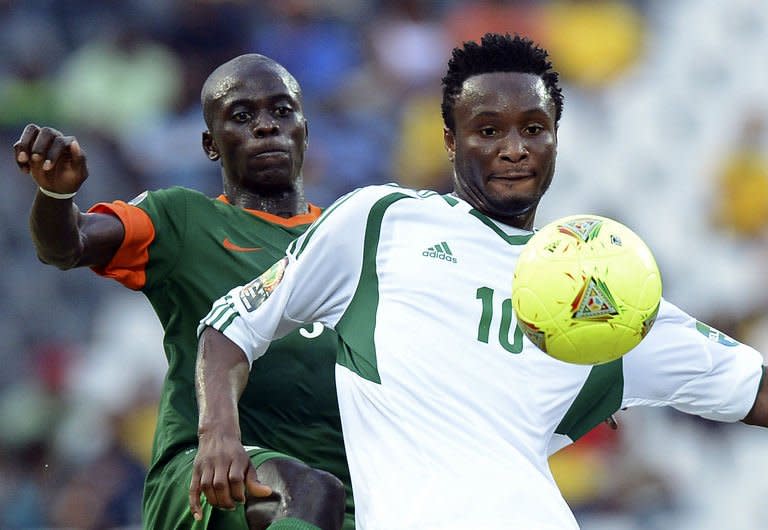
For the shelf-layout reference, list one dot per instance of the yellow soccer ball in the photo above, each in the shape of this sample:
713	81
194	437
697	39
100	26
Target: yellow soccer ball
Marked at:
586	289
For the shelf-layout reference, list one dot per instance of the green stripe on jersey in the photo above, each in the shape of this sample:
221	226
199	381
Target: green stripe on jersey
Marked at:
512	240
213	318
450	200
600	397
357	325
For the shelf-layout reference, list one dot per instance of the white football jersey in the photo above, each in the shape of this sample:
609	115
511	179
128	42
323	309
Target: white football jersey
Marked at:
449	412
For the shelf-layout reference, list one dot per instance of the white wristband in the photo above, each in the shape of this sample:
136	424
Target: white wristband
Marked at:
55	195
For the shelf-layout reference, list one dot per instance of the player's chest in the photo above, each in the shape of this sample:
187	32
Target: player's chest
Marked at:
462	266
233	253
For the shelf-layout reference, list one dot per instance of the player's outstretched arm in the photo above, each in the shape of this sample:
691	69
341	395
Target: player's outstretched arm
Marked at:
222	469
759	413
63	235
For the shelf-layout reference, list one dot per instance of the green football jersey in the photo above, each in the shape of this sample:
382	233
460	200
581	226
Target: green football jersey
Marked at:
196	249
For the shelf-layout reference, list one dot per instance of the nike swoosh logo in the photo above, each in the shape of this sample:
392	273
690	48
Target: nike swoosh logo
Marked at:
229	245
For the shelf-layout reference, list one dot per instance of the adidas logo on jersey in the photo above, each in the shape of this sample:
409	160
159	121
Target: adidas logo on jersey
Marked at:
440	251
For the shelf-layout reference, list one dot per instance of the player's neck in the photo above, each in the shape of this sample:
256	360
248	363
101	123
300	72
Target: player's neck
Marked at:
523	220
286	204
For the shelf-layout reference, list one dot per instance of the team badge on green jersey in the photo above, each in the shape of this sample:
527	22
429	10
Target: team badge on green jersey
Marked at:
715	335
255	293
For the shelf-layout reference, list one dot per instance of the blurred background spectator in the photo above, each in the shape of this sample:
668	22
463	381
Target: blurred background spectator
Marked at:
664	129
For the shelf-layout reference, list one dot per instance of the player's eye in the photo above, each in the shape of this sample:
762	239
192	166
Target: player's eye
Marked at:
282	111
241	117
488	131
533	129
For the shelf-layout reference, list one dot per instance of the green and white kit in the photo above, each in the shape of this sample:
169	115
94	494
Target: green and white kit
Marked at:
449	414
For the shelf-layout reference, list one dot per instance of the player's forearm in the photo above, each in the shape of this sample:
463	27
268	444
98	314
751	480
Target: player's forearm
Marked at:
65	237
220	378
55	233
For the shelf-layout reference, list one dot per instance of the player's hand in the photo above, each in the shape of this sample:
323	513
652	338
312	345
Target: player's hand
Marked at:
56	162
223	472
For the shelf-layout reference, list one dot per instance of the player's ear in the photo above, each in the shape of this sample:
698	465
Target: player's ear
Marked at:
449	139
209	146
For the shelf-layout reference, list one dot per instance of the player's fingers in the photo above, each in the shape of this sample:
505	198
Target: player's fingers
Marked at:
41	145
206	485
60	145
256	488
237	483
76	151
194	496
22	148
221	488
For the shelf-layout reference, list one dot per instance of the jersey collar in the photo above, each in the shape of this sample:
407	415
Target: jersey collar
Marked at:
288	222
510	234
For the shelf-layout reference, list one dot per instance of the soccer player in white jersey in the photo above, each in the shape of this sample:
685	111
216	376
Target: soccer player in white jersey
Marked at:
448	412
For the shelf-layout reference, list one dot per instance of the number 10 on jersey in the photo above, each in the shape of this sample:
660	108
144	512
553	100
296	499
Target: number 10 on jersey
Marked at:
485	295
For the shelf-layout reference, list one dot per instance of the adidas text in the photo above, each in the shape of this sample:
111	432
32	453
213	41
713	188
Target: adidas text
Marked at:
440	251
438	255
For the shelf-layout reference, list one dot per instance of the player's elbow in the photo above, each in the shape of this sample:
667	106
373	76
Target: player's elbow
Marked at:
61	251
62	261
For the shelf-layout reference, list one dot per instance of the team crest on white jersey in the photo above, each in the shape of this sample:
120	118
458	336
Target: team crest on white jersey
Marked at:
255	293
715	335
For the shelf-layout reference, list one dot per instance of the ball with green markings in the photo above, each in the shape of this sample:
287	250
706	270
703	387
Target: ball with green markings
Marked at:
586	289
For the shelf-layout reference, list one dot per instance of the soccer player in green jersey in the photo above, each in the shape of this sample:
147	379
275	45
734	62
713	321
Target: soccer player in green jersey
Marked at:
183	250
449	412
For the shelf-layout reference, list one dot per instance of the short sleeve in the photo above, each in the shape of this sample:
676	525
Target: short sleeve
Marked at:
129	264
692	367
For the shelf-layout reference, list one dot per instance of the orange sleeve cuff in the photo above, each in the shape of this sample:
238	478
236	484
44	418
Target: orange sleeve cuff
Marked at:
129	264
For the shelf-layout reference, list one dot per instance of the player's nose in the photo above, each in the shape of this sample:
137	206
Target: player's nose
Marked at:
513	147
265	126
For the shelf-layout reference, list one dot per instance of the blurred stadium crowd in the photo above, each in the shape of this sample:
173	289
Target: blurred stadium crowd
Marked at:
664	130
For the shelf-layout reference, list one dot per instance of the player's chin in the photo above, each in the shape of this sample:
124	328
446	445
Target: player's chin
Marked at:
513	186
271	179
514	204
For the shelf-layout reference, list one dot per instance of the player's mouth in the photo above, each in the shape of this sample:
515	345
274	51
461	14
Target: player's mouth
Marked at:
512	176
270	153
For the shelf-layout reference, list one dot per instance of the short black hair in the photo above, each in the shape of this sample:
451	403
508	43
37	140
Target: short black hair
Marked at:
497	53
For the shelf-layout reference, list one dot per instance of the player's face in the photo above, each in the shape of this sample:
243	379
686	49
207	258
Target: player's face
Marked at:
258	129
504	144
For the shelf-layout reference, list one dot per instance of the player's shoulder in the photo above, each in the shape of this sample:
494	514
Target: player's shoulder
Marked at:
170	198
669	312
378	195
358	206
377	191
